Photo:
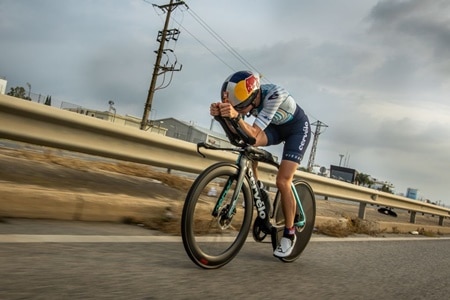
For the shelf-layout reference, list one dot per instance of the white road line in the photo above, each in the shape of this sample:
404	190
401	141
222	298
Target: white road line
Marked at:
33	238
29	238
376	239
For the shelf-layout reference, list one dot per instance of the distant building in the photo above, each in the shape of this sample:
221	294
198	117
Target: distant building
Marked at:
412	193
191	133
169	127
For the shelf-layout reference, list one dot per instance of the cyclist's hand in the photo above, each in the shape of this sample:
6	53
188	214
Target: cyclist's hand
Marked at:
227	110
214	109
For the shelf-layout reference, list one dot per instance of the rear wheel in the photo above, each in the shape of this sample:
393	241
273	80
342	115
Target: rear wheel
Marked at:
304	233
212	230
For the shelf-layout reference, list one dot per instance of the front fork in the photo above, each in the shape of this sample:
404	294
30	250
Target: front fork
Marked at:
239	182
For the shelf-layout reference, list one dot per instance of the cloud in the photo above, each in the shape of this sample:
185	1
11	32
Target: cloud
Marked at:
376	72
419	28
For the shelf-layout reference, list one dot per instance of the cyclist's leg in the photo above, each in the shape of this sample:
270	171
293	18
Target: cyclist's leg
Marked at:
284	179
296	136
303	233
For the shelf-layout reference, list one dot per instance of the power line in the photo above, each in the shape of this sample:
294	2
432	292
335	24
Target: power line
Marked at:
206	47
225	44
222	41
218	38
241	59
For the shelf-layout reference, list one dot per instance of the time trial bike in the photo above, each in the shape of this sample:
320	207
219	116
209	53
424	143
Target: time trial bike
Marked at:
218	210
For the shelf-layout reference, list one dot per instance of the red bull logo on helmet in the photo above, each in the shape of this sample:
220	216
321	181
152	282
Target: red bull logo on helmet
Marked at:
246	87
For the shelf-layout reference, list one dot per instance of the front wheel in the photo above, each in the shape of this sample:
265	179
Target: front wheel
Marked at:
306	195
213	227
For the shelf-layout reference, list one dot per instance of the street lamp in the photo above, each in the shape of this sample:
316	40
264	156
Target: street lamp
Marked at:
340	161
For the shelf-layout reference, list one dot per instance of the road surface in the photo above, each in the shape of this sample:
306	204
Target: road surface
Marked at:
44	259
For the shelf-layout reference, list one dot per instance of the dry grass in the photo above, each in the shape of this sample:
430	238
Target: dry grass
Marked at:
126	168
169	221
428	233
348	227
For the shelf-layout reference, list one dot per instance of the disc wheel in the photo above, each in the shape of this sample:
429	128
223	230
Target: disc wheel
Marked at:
304	233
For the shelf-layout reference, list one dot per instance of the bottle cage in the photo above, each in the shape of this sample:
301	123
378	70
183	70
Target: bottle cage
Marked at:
234	132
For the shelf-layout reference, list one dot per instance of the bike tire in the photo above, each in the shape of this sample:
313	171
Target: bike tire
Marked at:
213	241
308	201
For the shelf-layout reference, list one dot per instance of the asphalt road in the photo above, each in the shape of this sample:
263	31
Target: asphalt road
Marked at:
42	259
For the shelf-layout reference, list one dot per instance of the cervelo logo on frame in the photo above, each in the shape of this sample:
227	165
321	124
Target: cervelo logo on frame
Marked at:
260	206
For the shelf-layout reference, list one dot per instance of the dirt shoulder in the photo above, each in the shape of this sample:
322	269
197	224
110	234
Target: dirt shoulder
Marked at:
38	182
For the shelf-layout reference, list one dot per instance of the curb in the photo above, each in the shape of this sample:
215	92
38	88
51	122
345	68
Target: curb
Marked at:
39	203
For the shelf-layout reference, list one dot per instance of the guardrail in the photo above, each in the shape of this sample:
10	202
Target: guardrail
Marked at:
34	123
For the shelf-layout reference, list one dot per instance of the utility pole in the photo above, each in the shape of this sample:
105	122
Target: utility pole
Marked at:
319	125
163	36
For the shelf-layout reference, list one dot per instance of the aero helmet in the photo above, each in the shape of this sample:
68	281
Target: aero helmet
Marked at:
242	88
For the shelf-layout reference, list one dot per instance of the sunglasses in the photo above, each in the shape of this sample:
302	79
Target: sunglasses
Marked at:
246	103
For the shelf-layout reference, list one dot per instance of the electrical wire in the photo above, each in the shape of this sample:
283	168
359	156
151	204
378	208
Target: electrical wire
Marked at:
217	37
222	41
206	47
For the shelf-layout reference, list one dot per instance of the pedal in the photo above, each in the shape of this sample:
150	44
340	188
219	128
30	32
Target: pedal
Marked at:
258	234
261	228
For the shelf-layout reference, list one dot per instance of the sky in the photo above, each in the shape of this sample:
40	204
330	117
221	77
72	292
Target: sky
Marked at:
377	73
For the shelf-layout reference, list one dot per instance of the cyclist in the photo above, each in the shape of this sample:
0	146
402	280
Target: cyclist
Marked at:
278	118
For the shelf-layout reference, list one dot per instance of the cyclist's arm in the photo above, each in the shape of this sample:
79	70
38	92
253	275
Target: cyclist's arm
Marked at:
227	110
254	131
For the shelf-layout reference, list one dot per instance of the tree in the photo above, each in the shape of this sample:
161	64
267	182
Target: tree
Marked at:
387	188
364	179
18	92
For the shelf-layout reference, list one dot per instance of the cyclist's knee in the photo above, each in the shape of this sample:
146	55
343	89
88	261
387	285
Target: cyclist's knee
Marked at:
286	174
283	182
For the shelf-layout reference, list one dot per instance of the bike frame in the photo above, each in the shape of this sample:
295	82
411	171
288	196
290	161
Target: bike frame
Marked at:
244	164
302	221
